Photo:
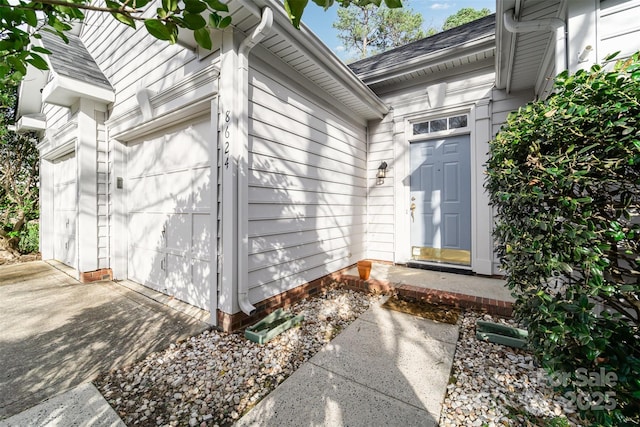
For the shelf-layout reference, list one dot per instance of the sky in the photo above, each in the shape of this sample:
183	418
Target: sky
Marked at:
434	13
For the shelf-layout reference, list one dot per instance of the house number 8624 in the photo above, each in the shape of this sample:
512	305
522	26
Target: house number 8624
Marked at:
227	119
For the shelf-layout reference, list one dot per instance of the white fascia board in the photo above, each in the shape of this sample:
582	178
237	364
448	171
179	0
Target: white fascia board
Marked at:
59	150
61	143
65	91
29	92
309	44
31	122
418	63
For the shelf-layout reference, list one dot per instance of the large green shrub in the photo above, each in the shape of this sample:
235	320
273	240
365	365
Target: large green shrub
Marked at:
29	238
564	179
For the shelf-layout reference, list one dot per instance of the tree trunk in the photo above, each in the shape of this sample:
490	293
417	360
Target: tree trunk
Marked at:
9	244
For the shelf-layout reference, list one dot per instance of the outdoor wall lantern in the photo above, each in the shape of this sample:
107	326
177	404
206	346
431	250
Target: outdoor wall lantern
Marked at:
382	173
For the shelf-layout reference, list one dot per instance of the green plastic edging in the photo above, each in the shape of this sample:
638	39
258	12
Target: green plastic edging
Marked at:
499	329
272	326
501	339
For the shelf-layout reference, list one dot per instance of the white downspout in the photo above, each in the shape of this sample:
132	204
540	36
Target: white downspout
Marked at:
242	108
548	24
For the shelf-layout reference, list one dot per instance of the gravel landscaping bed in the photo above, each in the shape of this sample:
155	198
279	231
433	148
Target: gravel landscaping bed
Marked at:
213	378
495	385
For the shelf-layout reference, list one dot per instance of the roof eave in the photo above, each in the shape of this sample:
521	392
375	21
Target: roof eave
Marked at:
65	91
484	43
314	47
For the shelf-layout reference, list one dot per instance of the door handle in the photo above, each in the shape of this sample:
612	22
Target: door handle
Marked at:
413	208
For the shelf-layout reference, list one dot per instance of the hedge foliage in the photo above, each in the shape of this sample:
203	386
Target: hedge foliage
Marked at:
564	180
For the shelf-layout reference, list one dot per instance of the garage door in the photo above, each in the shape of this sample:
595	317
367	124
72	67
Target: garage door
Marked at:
65	194
169	212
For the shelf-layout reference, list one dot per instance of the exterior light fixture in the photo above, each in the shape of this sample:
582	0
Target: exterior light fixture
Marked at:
382	173
584	55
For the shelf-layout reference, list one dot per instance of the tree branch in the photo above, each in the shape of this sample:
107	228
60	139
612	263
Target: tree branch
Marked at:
123	10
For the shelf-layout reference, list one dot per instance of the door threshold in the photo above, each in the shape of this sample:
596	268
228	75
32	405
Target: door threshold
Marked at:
442	267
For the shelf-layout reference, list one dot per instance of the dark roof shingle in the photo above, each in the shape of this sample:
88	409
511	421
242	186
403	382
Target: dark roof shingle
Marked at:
446	39
73	60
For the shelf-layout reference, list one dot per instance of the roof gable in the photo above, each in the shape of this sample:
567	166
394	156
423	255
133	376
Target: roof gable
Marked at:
72	60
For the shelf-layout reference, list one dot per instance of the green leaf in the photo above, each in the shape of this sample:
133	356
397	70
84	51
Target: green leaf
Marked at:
217	5
41	50
203	38
214	20
610	57
294	9
225	22
194	21
170	5
326	4
38	61
138	4
127	20
393	4
157	29
195	6
30	17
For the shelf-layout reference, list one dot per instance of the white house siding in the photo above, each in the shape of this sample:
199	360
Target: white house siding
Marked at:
503	104
618	28
132	59
307	186
381	216
56	117
389	214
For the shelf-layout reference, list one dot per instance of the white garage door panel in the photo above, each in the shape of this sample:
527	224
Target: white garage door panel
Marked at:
173	190
179	232
201	188
174	154
201	237
147	268
201	278
146	230
65	210
169	202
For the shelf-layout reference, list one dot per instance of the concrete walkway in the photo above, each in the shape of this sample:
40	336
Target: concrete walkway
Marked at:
439	288
480	286
386	368
57	333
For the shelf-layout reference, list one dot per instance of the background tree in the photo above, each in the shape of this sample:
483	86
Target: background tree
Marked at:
564	178
463	16
368	29
18	180
22	20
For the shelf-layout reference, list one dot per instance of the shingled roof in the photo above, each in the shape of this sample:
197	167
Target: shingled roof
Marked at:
73	60
447	39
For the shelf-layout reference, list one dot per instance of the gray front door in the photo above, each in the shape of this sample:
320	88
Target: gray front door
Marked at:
441	200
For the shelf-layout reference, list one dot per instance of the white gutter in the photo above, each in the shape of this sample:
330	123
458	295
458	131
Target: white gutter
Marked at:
548	24
242	108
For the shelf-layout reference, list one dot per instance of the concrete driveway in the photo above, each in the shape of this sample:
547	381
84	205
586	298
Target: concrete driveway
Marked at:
57	333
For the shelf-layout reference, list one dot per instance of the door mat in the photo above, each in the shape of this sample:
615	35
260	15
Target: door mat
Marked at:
443	314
